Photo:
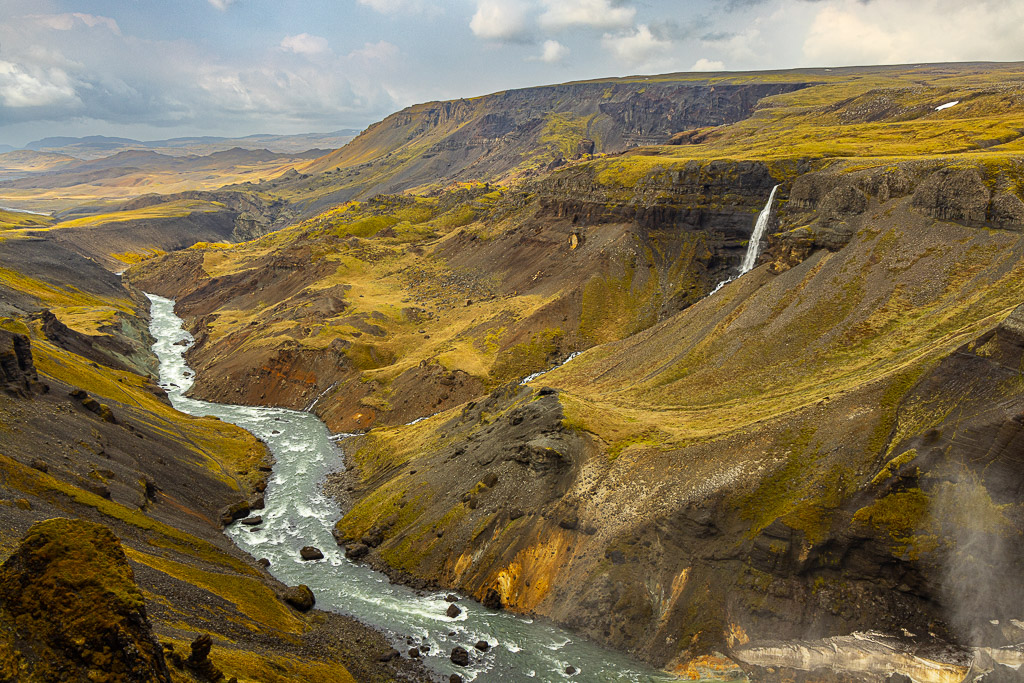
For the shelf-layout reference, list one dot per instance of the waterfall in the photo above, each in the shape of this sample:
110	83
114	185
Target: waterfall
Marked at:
754	246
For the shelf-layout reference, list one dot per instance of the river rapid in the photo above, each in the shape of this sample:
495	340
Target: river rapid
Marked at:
298	513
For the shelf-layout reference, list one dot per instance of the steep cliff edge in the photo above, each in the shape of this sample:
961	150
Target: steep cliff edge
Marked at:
800	455
396	308
519	133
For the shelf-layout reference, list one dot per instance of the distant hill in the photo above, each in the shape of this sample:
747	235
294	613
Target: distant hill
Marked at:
19	163
98	146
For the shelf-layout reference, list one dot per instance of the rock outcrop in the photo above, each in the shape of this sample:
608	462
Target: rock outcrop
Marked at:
70	610
18	374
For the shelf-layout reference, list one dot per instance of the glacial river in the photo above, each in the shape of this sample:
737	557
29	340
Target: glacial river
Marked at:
298	513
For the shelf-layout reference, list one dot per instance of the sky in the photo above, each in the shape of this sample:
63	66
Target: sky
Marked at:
154	69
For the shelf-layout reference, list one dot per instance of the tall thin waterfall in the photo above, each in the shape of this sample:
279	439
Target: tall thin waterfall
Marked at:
754	247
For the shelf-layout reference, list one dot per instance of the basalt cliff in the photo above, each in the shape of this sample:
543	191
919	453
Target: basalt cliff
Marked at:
812	472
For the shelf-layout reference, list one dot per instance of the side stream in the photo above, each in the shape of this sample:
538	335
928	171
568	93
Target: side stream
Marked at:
297	514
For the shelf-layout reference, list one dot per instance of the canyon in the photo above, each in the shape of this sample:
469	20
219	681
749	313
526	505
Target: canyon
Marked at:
824	447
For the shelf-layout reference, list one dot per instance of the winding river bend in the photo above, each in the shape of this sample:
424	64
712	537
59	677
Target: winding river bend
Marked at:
297	514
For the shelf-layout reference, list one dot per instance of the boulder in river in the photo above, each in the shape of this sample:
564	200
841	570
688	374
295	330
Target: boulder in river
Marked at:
482	645
300	597
453	611
455	678
252	521
310	553
460	657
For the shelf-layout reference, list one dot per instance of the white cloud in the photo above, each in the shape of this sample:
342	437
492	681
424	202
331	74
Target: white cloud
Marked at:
381	51
553	52
66	22
637	47
847	32
501	20
562	14
705	64
399	6
222	5
305	44
44	87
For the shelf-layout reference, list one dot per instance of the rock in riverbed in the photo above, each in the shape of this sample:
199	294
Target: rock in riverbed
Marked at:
310	553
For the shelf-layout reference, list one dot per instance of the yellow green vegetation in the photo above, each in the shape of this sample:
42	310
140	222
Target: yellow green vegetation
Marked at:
904	516
65	496
68	591
10	220
265	666
894	465
175	209
519	360
133	257
229	452
764	346
57	297
250	595
884	114
614	308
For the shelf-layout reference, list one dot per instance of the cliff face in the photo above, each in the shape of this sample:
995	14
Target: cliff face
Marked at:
386	327
804	454
521	132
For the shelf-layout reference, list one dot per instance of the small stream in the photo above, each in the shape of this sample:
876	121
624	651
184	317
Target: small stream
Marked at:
298	514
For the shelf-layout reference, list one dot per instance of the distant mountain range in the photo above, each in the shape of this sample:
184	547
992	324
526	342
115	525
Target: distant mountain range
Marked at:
98	146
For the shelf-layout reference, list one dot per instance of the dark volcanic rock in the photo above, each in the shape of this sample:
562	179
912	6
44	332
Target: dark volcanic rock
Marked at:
453	611
951	194
460	656
492	599
300	597
70	609
310	553
199	661
252	521
234	511
17	371
357	551
482	645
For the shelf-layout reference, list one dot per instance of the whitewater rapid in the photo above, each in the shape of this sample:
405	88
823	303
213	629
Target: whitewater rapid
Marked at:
298	513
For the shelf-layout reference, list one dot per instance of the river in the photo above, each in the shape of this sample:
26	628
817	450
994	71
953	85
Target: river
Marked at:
298	513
